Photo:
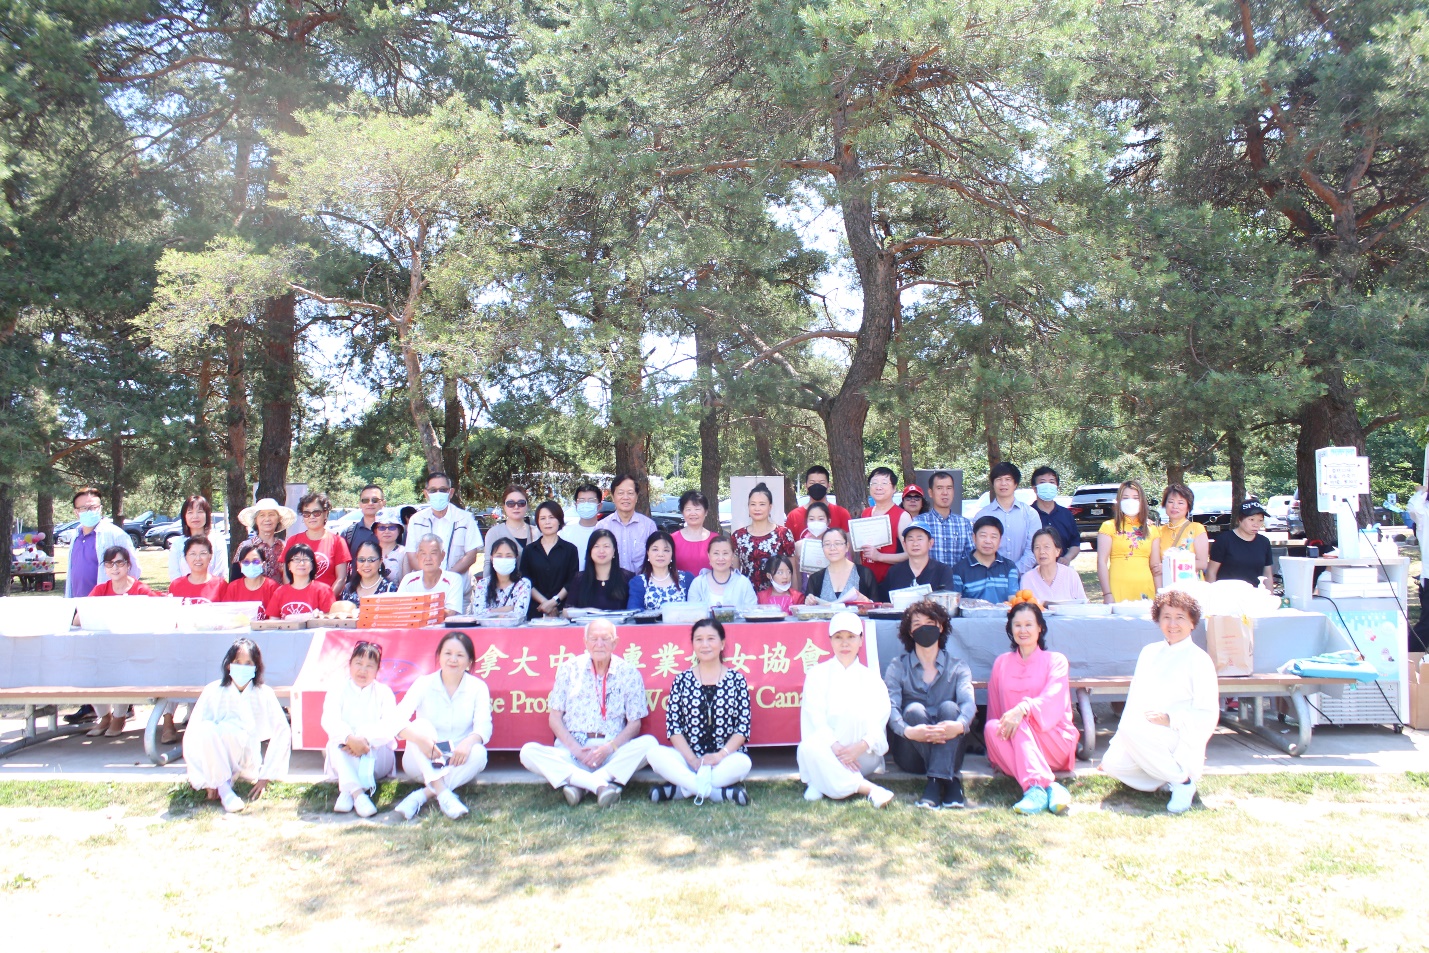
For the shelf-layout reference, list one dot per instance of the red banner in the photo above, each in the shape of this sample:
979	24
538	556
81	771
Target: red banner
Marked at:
519	667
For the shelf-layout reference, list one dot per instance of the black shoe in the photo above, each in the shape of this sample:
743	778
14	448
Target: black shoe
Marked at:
737	794
953	796
663	792
81	717
932	795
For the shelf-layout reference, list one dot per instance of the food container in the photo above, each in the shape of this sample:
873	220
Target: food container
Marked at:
722	613
129	615
948	600
683	613
764	614
1139	609
817	612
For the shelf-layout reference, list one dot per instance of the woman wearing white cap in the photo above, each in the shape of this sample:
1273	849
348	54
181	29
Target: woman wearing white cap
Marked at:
390	536
265	520
843	721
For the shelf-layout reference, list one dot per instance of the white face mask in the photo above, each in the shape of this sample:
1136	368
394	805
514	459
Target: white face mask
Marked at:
780	586
505	565
586	509
817	528
1131	507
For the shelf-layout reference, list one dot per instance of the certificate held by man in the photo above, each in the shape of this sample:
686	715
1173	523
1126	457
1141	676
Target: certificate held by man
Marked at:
871	532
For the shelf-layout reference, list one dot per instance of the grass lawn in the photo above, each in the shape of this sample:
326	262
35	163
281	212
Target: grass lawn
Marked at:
1270	862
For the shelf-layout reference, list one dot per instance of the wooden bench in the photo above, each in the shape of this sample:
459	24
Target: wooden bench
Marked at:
45	702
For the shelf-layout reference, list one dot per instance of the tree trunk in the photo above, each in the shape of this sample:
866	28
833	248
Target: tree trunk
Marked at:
201	428
453	428
7	521
235	421
627	417
1329	420
992	432
905	427
116	489
276	446
709	427
1175	473
846	412
1235	451
631	456
45	508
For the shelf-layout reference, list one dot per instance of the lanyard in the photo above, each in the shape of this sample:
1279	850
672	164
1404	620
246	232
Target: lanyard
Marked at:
603	679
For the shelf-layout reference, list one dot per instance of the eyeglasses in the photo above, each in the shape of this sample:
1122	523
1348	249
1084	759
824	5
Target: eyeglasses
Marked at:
313	514
386	528
517	504
91	508
439	489
117	562
301	560
369	559
373	499
251	562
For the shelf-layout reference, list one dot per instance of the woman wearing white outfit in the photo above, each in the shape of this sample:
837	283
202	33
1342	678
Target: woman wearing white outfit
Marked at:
843	721
1171	709
708	725
197	520
446	745
359	717
228	725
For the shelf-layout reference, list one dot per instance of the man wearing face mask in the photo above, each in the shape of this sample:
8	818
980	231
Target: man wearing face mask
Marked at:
929	719
577	532
1047	484
454	526
816	484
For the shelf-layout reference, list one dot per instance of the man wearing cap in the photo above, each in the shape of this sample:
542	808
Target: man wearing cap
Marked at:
1018	520
952	533
1244	552
920	569
986	573
596	708
370	501
843	721
454	526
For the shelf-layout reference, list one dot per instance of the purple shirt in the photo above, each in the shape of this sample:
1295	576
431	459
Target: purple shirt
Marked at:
630	538
84	563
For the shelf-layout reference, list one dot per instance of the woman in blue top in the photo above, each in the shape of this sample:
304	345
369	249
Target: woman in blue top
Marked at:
659	580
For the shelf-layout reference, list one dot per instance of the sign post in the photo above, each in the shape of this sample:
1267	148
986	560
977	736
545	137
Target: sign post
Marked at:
1341	477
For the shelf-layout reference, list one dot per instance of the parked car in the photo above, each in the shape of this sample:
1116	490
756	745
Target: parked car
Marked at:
64	534
160	533
1277	512
666	514
1294	525
1213	505
1092	505
140	525
1023	494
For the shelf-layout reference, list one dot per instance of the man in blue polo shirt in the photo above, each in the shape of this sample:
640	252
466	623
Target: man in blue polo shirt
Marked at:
984	574
1047	484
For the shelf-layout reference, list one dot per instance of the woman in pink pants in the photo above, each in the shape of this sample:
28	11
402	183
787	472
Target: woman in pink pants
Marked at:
1029	730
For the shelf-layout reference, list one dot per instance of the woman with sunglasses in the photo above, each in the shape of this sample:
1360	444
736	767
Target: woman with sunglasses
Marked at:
371	578
392	538
515	504
331	557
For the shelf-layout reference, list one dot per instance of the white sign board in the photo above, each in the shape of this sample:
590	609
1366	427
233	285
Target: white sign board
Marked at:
1340	474
739	488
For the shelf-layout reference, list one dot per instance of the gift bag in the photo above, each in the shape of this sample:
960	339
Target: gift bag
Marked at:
1177	565
1230	642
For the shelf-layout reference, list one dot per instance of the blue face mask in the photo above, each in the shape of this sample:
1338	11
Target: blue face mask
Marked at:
251	570
241	674
585	510
89	519
439	500
1046	491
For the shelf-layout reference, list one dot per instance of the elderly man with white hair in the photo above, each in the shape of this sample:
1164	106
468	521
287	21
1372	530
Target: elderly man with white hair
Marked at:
596	708
843	721
432	577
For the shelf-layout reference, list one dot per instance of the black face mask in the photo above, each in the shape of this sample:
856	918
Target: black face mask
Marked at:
817	491
927	635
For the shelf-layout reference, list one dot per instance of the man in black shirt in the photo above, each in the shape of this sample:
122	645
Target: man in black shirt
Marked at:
920	569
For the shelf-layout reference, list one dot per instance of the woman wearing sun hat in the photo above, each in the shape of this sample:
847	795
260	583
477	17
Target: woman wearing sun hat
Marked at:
267	520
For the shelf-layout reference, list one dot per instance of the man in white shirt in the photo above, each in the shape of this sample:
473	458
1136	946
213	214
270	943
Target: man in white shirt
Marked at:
454	526
1020	522
588	500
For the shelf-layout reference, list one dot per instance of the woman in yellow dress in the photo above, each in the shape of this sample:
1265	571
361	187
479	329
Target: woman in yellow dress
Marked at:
1124	548
1180	531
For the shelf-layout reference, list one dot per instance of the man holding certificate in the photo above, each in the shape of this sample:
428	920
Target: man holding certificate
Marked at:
876	533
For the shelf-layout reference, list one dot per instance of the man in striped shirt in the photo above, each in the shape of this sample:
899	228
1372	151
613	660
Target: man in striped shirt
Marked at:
984	574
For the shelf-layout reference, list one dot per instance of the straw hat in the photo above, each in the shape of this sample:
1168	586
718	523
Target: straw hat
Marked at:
286	517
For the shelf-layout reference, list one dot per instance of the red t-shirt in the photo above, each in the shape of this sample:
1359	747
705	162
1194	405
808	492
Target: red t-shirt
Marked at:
896	516
106	588
330	552
286	600
211	591
238	591
798	519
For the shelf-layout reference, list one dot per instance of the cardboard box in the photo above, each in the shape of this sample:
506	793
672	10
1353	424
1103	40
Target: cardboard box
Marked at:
1418	717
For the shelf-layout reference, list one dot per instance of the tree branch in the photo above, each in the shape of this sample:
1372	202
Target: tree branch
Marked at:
770	351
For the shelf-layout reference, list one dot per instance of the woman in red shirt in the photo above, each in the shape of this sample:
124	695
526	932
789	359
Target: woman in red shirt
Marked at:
199	585
119	583
331	557
253	585
302	594
880	486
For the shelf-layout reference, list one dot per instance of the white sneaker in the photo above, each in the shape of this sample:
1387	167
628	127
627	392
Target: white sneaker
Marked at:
812	793
344	803
412	804
1181	797
880	796
364	805
451	805
230	800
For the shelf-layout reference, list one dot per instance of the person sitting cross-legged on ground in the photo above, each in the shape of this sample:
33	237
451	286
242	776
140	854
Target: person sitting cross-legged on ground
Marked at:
843	721
359	717
1029	730
226	730
1171	709
446	744
708	724
931	705
596	708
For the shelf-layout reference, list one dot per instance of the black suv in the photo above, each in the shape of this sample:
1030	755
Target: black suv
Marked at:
1092	505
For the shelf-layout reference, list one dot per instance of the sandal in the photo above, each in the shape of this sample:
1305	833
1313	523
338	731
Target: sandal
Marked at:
663	792
737	794
100	727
